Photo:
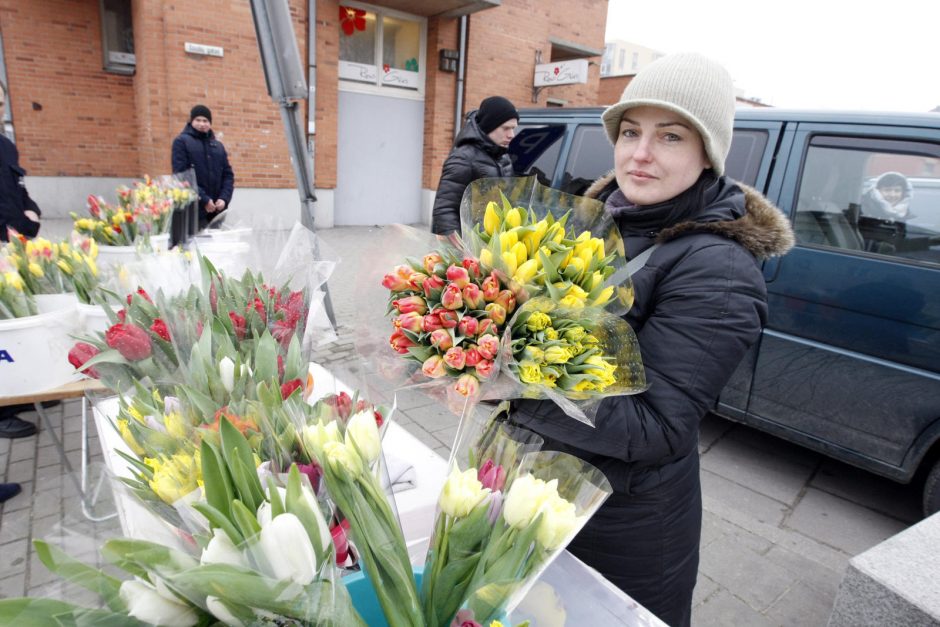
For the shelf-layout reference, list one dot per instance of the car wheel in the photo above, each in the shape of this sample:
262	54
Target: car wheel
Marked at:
932	491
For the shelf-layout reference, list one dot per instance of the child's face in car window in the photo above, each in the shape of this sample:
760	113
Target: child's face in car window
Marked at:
892	193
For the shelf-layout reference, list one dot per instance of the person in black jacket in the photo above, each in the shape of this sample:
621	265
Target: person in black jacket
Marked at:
17	210
700	304
196	147
479	152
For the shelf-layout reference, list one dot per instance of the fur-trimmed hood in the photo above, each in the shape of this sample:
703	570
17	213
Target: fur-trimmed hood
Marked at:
763	230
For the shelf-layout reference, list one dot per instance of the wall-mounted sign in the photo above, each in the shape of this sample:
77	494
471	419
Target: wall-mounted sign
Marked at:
212	51
561	73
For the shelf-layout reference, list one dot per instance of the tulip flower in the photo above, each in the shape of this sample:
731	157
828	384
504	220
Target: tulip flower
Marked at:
472	296
558	520
362	435
488	346
441	339
79	354
467	385
471	356
449	319
416	282
340	541
159	329
486	258
490	287
430	322
455	358
411	304
484	368
342	459
432	287
487	327
220	610
221	550
287	547
526	271
399	279
451	297
458	275
400	342
507	299
227	373
510	261
289	387
462	492
513	217
411	321
433	367
491	475
468	326
491	218
472	264
129	340
145	603
496	313
239	325
430	261
525	499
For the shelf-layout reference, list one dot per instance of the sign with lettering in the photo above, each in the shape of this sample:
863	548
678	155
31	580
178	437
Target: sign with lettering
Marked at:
5	356
561	73
212	51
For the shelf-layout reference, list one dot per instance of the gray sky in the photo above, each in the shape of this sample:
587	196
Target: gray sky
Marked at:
831	54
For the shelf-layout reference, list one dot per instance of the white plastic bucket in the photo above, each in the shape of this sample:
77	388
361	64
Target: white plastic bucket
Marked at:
94	318
114	256
230	257
34	350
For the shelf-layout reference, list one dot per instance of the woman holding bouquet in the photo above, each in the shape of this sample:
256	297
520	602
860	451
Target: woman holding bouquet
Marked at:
700	304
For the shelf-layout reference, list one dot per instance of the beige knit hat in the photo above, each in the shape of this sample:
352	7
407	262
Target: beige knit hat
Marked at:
695	87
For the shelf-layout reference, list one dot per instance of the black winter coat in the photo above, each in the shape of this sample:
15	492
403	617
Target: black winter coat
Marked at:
474	156
14	199
204	153
700	305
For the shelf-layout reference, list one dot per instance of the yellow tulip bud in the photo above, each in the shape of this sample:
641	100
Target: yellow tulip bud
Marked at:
486	257
513	218
509	259
604	296
507	240
490	218
526	271
519	250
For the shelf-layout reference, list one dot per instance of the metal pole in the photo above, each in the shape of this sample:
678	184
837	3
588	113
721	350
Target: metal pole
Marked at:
461	71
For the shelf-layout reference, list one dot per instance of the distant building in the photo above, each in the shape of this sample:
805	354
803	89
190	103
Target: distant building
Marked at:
623	57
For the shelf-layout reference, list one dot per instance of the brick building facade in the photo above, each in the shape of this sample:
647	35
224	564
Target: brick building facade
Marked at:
81	128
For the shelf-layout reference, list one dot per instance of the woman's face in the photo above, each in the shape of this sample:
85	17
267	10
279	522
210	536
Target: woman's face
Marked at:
658	155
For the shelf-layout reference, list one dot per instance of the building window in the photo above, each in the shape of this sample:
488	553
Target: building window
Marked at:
117	36
621	60
636	61
380	48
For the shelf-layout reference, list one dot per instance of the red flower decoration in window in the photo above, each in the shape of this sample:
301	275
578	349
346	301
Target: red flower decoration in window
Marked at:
351	20
386	67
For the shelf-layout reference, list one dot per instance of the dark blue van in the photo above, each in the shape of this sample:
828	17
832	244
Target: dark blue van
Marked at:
849	363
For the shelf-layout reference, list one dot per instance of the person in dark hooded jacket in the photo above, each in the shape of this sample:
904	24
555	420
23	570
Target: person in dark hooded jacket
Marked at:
17	210
196	147
700	305
479	152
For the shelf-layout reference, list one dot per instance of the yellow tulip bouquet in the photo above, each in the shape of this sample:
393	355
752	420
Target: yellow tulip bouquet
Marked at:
15	301
546	242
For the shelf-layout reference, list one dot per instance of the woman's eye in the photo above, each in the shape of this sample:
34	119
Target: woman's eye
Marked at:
628	132
672	137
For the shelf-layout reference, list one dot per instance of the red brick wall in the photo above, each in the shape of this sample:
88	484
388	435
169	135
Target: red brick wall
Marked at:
611	88
327	93
70	117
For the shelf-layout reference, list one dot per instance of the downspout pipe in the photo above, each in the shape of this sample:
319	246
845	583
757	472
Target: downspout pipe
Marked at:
461	72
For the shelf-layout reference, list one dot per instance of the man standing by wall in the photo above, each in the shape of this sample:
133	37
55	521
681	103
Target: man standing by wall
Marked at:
196	147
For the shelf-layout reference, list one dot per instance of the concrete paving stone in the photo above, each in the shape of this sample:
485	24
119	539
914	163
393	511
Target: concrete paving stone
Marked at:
23	448
409	399
433	417
722	609
21	471
49	526
447	434
13	557
743	499
39	575
73	441
735	566
822	578
47	502
15	527
840	523
878	493
711	429
5	445
776	476
4	458
424	436
443	451
47	456
704	588
12	587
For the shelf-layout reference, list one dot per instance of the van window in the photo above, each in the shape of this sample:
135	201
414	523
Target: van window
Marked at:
535	149
747	148
869	195
590	157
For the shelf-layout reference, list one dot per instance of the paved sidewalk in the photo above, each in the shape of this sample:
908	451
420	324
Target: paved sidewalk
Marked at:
780	522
